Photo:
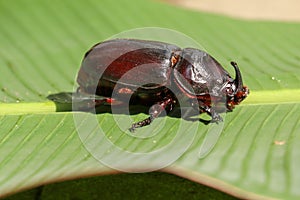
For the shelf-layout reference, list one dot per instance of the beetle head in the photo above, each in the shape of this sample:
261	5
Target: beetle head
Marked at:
235	90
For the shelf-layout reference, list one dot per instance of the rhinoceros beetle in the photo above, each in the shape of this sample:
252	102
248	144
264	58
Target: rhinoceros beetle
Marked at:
200	79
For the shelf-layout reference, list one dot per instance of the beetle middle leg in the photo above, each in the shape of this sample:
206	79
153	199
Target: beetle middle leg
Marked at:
155	110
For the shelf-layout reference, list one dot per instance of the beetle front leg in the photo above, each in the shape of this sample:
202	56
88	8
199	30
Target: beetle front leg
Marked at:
215	117
155	110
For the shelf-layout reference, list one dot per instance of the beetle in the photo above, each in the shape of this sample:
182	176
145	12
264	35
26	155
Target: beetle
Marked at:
196	76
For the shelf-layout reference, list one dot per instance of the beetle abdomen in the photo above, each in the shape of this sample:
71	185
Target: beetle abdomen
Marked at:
128	63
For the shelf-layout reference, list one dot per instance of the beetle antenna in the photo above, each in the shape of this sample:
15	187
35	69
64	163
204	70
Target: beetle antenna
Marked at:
238	77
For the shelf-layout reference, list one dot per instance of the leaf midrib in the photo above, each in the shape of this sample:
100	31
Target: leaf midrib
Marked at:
259	97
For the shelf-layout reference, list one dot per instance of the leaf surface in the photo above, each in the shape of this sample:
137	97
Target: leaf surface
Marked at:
42	45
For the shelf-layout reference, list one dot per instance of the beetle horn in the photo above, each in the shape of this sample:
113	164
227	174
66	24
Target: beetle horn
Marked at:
238	77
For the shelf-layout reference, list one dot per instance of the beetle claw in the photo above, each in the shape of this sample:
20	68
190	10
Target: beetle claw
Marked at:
216	117
142	123
217	120
132	128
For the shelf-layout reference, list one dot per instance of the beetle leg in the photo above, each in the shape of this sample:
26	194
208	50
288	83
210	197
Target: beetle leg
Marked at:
107	101
154	112
215	117
86	102
142	123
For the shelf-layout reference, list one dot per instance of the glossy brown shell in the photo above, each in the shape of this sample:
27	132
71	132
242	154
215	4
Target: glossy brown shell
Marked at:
106	64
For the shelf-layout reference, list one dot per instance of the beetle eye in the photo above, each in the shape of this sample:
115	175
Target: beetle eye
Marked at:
230	89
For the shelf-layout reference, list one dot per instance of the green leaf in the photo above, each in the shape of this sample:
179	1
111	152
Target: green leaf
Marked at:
256	154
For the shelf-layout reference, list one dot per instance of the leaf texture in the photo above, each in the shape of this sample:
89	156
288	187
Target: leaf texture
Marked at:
42	44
